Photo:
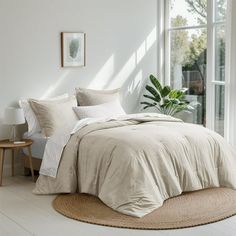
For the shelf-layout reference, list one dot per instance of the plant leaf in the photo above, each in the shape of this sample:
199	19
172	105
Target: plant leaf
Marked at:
156	83
152	98
165	91
148	104
153	92
173	94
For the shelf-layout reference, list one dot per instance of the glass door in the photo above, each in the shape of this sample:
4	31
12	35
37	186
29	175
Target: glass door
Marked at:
195	57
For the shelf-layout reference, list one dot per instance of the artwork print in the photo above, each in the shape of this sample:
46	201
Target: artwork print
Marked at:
73	49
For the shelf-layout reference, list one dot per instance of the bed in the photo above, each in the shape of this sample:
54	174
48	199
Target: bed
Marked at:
133	163
37	148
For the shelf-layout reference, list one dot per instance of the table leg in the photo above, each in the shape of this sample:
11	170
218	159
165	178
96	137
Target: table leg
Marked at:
2	152
12	162
30	162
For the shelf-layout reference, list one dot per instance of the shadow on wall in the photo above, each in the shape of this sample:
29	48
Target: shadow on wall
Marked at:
131	77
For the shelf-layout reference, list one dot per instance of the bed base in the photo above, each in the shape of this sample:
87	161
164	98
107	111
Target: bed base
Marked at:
36	164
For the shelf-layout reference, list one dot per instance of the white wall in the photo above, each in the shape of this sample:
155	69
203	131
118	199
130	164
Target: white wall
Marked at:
121	48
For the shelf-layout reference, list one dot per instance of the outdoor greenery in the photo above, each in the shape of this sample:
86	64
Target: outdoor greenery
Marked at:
199	8
188	65
189	48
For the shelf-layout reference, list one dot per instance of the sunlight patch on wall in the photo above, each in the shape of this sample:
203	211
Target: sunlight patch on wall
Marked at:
141	52
136	82
134	88
133	61
104	75
151	39
124	73
54	87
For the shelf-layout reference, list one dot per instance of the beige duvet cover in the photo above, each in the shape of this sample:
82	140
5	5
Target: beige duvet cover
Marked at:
133	166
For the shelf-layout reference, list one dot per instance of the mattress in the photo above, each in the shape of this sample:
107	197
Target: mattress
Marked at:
38	145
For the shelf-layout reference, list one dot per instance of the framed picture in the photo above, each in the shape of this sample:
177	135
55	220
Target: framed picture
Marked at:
73	49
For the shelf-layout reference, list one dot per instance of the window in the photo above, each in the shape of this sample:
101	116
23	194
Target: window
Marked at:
195	56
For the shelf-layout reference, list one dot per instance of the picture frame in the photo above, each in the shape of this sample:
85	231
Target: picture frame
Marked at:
73	46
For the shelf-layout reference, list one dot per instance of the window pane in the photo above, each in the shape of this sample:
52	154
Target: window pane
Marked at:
220	52
220	10
188	12
188	68
219	108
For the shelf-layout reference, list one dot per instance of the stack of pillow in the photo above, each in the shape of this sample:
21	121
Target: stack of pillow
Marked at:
98	103
52	115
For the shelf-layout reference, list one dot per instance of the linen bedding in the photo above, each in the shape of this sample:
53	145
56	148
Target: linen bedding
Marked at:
133	164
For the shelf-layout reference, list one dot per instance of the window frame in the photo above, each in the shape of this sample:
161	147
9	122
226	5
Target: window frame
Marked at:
211	64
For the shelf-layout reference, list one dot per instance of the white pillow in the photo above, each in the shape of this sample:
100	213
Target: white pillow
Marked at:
109	109
33	124
90	97
54	116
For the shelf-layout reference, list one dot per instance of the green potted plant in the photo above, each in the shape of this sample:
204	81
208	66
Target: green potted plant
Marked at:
166	100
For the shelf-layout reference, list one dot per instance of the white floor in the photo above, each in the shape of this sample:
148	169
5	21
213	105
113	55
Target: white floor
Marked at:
23	213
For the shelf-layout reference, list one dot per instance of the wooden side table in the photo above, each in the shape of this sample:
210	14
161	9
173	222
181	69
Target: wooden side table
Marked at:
7	145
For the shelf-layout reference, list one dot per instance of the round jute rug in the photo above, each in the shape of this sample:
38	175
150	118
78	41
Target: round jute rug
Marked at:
187	210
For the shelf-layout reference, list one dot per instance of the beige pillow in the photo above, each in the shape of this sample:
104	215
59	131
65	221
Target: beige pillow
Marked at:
90	97
54	116
33	124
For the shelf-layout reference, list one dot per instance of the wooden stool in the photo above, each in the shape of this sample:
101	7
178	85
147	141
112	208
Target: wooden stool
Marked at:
8	145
